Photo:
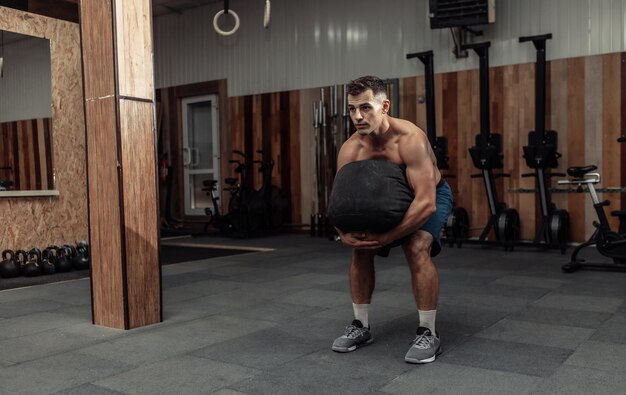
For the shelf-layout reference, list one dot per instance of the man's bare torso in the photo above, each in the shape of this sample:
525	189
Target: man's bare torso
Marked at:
389	145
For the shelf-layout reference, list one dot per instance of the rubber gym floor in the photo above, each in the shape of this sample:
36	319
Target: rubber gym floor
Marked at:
263	323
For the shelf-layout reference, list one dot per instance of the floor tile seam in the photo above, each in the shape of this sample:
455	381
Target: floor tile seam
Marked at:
467	364
261	370
582	311
74	350
586	366
510	318
220	314
572	350
44	285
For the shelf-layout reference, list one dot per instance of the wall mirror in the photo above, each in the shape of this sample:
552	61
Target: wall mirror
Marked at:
26	161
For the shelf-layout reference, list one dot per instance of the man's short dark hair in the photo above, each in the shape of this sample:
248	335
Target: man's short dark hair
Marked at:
361	84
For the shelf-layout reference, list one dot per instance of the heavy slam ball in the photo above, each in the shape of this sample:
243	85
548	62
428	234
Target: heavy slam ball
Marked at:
369	196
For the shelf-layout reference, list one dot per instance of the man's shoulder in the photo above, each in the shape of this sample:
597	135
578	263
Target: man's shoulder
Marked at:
408	131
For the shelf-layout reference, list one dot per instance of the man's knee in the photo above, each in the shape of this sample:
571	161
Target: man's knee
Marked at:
417	248
363	256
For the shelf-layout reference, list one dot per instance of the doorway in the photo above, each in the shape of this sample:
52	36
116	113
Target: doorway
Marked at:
201	151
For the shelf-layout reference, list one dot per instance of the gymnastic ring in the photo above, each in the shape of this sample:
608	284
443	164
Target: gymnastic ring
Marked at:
217	28
266	14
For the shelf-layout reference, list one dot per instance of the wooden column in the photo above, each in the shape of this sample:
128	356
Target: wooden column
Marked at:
121	162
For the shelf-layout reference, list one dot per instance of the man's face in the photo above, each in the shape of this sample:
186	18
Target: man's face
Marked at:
367	111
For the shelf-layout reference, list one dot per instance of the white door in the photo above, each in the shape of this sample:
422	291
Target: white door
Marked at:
201	151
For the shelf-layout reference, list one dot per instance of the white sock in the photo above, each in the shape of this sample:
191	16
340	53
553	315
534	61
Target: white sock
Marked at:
361	312
427	319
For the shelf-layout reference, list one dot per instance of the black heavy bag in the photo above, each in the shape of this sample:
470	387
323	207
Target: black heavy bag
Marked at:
369	196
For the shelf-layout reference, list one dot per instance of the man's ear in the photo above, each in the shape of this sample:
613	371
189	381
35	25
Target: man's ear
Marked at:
386	106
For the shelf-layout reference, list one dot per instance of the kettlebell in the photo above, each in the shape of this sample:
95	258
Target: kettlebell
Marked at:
9	267
81	260
62	262
47	261
21	258
33	268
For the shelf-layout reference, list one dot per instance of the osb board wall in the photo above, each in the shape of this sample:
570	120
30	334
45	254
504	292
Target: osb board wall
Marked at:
584	104
26	158
63	219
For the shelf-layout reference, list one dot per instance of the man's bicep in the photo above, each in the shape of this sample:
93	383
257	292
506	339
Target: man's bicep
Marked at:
421	171
421	177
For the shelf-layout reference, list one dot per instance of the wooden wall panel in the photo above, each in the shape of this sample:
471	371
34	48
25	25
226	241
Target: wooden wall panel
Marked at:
449	127
133	38
576	141
106	280
622	96
294	161
408	99
558	121
33	219
611	130
98	25
592	139
307	153
466	131
140	212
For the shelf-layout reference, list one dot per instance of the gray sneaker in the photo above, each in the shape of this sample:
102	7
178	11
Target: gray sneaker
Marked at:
354	337
424	348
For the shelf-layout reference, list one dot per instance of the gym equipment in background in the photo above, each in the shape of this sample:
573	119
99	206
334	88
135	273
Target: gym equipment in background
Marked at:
327	141
9	267
249	210
607	242
487	155
457	225
541	155
269	203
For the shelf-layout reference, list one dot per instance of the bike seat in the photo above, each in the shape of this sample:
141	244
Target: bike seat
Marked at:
619	213
579	172
230	181
209	183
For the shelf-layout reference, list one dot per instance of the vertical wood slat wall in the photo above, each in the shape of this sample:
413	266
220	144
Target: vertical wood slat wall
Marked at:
26	158
584	99
269	122
584	104
121	156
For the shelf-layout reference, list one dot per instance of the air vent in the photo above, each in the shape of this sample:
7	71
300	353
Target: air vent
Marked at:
457	13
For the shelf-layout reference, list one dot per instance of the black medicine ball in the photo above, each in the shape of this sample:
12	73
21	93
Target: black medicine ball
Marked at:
369	196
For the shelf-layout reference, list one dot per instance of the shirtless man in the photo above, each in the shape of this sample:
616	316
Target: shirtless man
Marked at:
382	137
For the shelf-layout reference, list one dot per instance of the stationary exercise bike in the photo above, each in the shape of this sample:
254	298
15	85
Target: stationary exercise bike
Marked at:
608	243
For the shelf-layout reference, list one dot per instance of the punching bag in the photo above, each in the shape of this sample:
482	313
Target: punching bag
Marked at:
369	196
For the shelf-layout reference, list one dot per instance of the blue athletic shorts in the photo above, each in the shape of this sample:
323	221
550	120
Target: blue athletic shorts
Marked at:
434	224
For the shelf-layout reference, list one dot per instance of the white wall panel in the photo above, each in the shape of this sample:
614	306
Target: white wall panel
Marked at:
25	89
323	42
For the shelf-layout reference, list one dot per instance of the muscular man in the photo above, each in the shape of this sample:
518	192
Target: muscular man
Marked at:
382	137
